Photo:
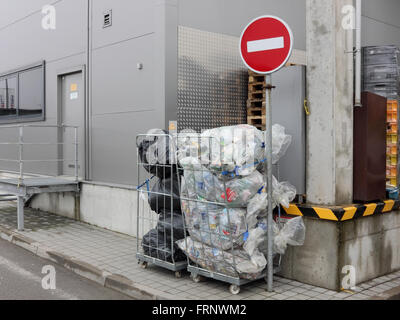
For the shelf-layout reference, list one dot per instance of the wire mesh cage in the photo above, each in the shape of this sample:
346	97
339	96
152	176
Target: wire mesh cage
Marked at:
223	201
203	204
159	217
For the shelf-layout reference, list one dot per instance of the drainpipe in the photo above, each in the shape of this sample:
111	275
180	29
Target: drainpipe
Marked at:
358	56
88	91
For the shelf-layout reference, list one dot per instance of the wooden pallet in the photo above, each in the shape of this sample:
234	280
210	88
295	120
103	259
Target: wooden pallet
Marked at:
256	101
255	104
256	78
257	86
257	95
259	122
252	112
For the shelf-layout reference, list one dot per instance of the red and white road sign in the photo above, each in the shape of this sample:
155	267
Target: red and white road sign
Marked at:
266	44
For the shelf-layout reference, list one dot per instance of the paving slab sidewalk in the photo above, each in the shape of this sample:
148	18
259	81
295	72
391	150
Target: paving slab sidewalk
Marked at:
109	258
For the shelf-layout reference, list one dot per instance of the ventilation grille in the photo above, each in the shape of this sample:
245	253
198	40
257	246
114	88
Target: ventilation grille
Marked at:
107	19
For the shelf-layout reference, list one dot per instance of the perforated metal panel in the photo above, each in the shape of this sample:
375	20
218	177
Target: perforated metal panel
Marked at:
212	80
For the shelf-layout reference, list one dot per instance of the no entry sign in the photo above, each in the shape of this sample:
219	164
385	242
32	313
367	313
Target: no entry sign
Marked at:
266	44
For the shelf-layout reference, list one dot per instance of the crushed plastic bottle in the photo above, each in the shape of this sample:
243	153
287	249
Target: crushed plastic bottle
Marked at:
202	183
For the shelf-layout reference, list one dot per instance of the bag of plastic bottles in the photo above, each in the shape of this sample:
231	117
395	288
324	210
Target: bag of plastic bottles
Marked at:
282	194
236	149
234	263
199	182
256	207
188	143
215	225
239	150
292	233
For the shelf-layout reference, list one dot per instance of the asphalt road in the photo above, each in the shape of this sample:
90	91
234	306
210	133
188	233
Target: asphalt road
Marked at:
21	279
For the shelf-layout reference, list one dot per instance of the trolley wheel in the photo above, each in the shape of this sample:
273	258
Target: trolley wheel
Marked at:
234	289
196	278
178	274
143	264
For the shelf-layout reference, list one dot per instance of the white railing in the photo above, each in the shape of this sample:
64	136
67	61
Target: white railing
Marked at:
21	161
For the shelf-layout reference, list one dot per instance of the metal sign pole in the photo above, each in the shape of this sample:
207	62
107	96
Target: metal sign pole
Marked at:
268	178
269	59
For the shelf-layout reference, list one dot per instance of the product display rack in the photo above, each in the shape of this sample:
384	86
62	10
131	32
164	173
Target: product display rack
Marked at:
381	75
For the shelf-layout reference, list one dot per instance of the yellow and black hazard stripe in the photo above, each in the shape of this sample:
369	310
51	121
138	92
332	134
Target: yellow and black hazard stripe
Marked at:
342	213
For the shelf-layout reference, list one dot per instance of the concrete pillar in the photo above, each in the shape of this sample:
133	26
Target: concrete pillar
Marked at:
330	96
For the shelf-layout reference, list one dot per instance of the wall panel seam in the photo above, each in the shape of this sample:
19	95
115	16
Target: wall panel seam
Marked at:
65	57
122	41
122	112
26	17
383	22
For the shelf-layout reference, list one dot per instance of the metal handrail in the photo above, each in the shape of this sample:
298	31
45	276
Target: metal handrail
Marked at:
37	126
35	143
41	160
21	145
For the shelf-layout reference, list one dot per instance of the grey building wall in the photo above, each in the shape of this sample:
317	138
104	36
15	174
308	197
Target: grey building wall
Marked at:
124	101
122	98
381	23
24	42
231	16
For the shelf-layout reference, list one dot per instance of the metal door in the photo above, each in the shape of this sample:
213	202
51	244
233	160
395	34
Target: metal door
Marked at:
288	111
72	114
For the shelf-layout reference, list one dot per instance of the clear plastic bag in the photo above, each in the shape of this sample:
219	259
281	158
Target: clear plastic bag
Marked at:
256	205
282	193
215	225
293	233
257	237
236	263
255	266
280	142
236	149
188	143
221	166
204	184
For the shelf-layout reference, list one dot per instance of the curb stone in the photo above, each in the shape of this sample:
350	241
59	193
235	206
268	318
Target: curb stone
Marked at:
103	277
392	294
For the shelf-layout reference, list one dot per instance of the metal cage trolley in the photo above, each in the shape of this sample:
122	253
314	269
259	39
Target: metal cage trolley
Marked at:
159	217
214	198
